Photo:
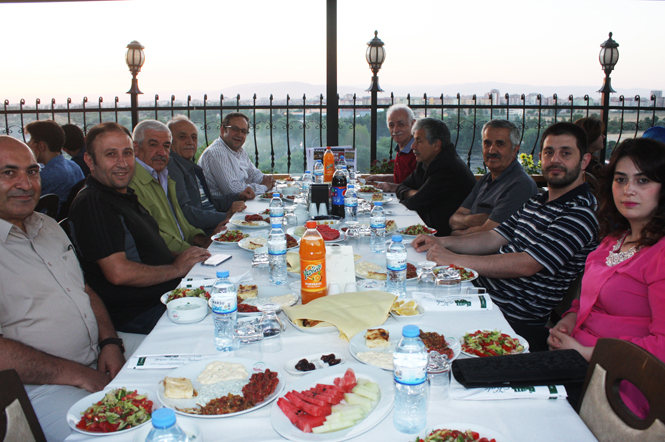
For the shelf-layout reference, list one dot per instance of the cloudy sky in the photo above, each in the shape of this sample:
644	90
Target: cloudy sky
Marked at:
76	49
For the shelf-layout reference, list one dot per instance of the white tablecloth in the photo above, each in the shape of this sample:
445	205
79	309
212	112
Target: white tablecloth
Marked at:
518	420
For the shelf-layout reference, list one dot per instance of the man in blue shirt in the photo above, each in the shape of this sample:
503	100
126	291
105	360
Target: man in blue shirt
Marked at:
58	175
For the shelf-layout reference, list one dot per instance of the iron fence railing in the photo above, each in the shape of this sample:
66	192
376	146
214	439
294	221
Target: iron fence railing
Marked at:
283	129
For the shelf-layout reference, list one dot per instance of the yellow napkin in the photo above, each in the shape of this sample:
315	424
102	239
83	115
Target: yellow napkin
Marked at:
350	312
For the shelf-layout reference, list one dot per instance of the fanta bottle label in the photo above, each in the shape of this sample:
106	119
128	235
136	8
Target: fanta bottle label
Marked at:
313	275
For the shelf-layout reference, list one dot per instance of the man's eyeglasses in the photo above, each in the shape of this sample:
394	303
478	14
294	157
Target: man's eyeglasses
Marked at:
236	129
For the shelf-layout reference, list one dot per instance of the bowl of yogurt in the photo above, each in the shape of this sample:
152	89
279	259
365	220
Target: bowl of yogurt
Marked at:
187	310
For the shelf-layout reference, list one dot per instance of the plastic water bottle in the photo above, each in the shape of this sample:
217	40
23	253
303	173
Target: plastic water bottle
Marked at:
276	209
410	360
306	182
277	253
341	163
164	428
377	224
345	170
396	267
352	177
224	303
350	203
318	172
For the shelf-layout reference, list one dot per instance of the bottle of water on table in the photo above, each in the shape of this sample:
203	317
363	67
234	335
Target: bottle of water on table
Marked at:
350	203
277	253
377	224
396	267
224	301
318	172
164	428
276	209
410	360
306	182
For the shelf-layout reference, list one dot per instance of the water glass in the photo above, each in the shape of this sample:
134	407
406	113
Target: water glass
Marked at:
272	328
426	277
448	282
438	374
290	218
352	230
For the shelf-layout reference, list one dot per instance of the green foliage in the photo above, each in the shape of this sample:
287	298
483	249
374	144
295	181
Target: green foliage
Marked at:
528	165
384	166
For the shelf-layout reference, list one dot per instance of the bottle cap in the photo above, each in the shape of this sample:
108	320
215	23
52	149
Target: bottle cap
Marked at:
350	186
163	418
378	203
410	331
275	195
397	238
223	274
311	224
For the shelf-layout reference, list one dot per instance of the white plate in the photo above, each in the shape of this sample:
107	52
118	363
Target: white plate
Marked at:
408	319
165	296
74	414
341	236
482	431
225	244
290	365
246	224
268	291
244	243
192	431
401	230
286	429
313	330
359	275
357	343
523	342
192	371
473	278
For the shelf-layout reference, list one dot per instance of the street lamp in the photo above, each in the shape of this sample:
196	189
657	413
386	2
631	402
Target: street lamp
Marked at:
375	56
135	57
609	55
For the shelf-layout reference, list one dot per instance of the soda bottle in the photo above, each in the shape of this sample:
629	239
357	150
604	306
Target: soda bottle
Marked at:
410	361
338	190
318	172
313	282
224	302
396	267
377	224
351	203
328	165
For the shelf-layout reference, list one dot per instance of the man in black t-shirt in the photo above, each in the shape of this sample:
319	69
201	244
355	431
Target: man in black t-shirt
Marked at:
124	258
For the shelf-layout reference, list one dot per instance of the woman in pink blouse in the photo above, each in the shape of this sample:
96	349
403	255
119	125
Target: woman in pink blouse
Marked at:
623	288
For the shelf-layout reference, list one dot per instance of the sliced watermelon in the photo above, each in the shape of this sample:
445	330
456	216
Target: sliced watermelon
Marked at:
316	398
308	408
347	382
298	417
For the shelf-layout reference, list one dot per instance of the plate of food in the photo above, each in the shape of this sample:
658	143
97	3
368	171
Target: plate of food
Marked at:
254	242
228	237
415	230
355	400
250	297
97	413
200	292
406	311
372	270
375	346
317	361
220	388
461	432
465	274
312	326
483	343
239	222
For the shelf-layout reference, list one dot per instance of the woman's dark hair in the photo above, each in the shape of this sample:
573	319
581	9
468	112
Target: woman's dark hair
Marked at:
649	158
593	128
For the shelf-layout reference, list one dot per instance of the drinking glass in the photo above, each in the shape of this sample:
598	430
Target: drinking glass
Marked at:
426	277
438	374
272	328
448	282
290	218
249	336
352	231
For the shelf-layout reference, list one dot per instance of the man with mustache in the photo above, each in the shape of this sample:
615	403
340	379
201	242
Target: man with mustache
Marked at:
54	329
503	190
400	120
124	257
528	262
157	192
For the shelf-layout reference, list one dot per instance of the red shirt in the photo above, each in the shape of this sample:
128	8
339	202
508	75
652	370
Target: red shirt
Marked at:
405	163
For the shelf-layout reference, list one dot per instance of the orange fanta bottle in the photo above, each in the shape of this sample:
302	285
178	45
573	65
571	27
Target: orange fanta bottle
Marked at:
328	165
312	265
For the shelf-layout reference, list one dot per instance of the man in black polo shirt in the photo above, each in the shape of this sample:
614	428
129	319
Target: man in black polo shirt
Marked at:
124	258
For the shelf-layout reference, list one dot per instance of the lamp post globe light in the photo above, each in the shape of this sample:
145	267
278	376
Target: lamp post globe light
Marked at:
135	57
608	57
375	56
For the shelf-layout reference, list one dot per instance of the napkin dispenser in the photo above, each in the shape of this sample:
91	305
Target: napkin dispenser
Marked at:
340	265
320	193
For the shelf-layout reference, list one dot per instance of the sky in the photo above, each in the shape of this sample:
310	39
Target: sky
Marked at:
76	49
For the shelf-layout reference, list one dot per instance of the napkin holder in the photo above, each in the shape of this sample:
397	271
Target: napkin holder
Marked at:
320	193
340	265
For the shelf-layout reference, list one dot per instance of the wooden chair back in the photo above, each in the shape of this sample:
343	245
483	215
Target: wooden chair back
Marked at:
19	422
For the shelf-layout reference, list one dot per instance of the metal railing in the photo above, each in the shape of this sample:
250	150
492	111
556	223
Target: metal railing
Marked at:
283	129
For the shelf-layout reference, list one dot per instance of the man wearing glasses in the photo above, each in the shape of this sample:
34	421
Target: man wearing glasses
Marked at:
227	167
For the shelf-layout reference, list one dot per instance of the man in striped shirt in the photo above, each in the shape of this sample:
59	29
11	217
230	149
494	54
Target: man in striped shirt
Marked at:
528	262
227	167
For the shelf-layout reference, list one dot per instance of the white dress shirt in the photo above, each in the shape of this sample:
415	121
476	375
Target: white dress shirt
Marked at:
228	171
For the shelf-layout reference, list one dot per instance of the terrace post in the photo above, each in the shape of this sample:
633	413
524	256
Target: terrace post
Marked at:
609	55
135	57
375	56
332	101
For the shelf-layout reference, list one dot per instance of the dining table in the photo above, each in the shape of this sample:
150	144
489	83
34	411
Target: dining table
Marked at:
516	420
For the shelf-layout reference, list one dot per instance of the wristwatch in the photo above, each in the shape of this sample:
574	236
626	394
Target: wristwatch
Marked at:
114	341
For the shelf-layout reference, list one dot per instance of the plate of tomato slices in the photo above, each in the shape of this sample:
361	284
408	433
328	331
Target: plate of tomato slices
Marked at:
109	412
228	237
484	343
415	230
461	432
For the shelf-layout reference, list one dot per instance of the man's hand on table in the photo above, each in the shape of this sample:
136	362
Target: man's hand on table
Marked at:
441	256
186	260
268	181
221	226
247	194
237	206
387	187
423	243
110	360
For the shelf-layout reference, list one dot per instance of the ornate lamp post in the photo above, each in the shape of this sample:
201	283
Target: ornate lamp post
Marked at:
609	55
135	59
375	56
